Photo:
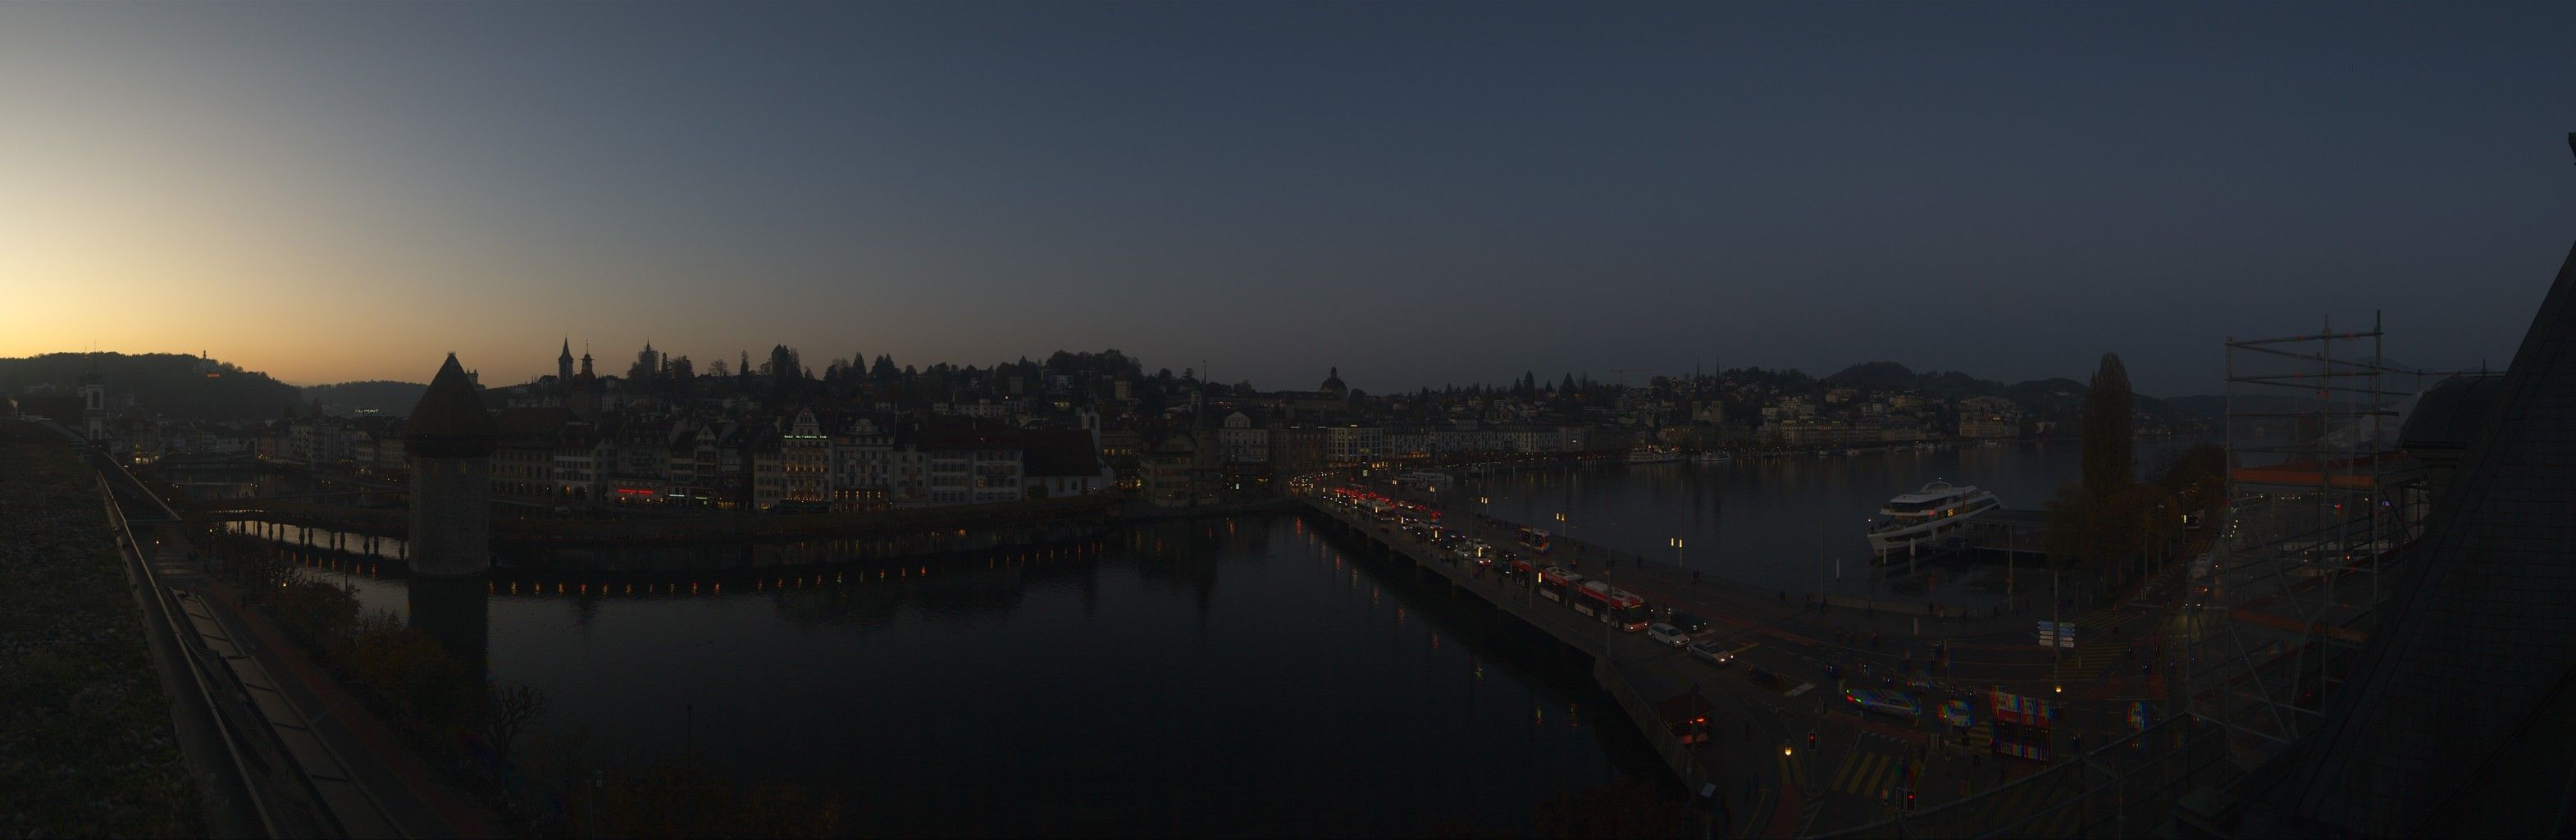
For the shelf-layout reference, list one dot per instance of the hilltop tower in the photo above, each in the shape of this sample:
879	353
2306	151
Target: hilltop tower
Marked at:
449	440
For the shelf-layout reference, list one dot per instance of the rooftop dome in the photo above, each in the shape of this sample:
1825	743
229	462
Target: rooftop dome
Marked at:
2449	414
449	421
1333	380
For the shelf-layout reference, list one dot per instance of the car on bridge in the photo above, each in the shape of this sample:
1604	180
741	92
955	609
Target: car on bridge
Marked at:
1708	650
1667	634
1688	621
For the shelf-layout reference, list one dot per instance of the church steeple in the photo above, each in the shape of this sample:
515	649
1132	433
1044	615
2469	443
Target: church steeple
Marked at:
563	363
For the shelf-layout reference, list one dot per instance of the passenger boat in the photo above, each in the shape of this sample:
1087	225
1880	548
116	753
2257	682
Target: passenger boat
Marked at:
1715	456
1932	514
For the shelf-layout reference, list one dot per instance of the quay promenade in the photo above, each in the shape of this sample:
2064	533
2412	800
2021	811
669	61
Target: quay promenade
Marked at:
1789	756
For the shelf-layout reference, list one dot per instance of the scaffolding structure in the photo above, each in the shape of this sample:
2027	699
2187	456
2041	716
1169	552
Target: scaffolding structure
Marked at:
2319	502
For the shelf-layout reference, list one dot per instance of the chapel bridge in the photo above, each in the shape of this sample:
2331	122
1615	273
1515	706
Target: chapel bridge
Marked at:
1008	523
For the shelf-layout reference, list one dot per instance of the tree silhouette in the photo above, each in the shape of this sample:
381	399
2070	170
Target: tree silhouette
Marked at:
2108	448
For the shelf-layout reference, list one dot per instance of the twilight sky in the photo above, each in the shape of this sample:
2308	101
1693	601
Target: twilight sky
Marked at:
1416	193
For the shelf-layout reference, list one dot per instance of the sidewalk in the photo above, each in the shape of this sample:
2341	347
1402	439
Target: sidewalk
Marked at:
410	792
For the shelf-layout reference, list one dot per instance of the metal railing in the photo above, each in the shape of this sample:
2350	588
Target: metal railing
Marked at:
283	784
159	614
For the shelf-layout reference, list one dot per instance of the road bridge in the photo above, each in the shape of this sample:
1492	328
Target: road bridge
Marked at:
1638	674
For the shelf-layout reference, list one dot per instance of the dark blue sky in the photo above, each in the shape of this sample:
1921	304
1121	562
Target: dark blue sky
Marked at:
1416	193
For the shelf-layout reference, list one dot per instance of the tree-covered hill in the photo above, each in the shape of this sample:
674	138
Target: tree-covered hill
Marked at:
376	395
167	384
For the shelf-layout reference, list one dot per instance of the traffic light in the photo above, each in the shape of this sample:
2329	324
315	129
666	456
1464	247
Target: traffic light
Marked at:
1811	739
1909	800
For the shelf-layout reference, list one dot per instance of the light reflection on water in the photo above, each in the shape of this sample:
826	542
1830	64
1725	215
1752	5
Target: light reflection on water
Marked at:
1240	676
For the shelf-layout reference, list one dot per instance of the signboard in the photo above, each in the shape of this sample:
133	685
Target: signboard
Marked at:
2056	634
2017	710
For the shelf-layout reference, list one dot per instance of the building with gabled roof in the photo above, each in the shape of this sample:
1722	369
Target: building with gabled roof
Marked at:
1061	462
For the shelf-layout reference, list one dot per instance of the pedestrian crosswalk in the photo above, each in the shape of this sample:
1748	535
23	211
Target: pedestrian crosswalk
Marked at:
1872	774
1981	737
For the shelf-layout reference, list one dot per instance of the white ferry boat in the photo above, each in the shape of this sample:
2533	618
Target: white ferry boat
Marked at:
1715	456
1932	514
1650	454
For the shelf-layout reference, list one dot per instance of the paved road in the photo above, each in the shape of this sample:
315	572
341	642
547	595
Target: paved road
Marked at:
1858	764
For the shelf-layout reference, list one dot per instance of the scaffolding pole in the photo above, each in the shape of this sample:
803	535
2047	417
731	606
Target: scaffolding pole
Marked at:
2289	613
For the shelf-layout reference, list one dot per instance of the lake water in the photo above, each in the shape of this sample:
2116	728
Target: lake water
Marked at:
1233	677
1783	523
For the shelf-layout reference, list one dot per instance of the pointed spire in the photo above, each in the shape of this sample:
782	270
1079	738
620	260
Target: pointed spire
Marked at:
567	351
449	420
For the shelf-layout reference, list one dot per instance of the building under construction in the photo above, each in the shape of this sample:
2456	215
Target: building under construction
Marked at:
2323	489
2392	647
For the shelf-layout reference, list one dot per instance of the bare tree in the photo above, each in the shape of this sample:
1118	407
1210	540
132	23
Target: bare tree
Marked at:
509	709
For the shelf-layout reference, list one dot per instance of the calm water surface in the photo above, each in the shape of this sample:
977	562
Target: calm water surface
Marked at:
1227	677
1232	677
1783	523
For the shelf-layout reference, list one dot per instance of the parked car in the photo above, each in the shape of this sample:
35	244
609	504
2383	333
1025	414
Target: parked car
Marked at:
1712	652
1667	634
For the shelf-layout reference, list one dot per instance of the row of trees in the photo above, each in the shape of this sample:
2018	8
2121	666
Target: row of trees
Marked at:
2109	518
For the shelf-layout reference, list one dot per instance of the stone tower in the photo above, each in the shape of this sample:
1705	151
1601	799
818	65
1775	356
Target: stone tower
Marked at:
93	389
449	440
584	392
563	364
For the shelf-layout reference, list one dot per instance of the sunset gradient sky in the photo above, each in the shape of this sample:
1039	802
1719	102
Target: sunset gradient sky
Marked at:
1418	194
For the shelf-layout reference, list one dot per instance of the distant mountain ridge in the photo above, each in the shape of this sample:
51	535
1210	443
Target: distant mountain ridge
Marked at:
378	396
1885	376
